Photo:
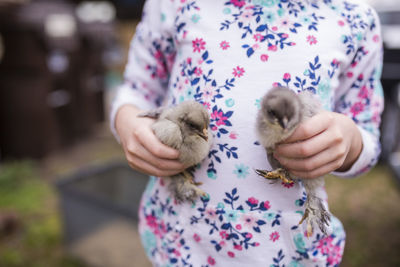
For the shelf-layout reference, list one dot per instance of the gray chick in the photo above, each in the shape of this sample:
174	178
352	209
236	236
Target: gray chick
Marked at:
281	112
185	128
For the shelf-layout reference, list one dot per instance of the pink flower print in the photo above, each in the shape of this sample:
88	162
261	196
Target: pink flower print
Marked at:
223	234
255	46
335	256
231	254
311	39
249	235
285	35
288	185
238	3
196	238
238	247
325	245
198	71
198	45
272	48
233	135
286	76
207	105
224	45
253	201
248	220
341	23
208	93
222	243
177	253
238	72
151	221
363	93
257	37
274	236
256	244
211	260
285	24
274	28
238	226
264	57
357	108
246	16
211	213
349	74
267	205
219	117
376	38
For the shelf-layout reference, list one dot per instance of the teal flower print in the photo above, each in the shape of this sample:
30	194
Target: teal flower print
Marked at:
299	242
211	175
149	241
269	17
295	264
258	103
231	215
241	171
227	11
269	216
195	18
189	93
266	3
230	102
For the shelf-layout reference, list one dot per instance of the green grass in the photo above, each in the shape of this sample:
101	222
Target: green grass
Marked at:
368	207
38	240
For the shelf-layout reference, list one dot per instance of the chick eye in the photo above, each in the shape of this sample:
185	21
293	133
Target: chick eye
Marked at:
191	125
271	113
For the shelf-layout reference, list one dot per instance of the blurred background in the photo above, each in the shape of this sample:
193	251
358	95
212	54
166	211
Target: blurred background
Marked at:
67	197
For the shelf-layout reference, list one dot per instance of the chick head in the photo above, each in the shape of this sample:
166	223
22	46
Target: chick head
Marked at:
281	108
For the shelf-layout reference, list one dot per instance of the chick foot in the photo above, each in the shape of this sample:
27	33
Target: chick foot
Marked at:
315	213
276	174
184	188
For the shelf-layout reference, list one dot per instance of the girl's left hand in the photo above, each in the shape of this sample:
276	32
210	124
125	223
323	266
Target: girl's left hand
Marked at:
327	142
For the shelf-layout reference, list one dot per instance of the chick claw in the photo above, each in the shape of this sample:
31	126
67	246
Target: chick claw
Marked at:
309	225
276	174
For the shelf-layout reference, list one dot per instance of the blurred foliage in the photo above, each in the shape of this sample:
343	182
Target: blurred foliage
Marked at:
37	242
368	207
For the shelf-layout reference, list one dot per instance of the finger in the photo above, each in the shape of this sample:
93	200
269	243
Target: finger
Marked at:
150	169
307	148
138	151
311	127
151	143
325	169
315	162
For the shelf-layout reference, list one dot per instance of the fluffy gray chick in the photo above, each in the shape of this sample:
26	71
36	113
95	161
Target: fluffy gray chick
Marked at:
281	112
185	128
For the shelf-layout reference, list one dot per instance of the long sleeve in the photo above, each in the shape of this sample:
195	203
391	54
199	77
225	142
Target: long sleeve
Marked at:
151	56
360	95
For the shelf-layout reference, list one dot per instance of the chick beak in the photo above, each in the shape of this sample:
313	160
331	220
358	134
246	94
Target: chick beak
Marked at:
283	122
204	134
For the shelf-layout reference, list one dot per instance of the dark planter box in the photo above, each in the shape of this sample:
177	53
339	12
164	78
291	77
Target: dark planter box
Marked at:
98	195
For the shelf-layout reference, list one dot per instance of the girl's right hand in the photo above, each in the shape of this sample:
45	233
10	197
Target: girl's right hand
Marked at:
143	150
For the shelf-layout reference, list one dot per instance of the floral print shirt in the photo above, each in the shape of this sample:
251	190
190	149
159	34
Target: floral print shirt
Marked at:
227	54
